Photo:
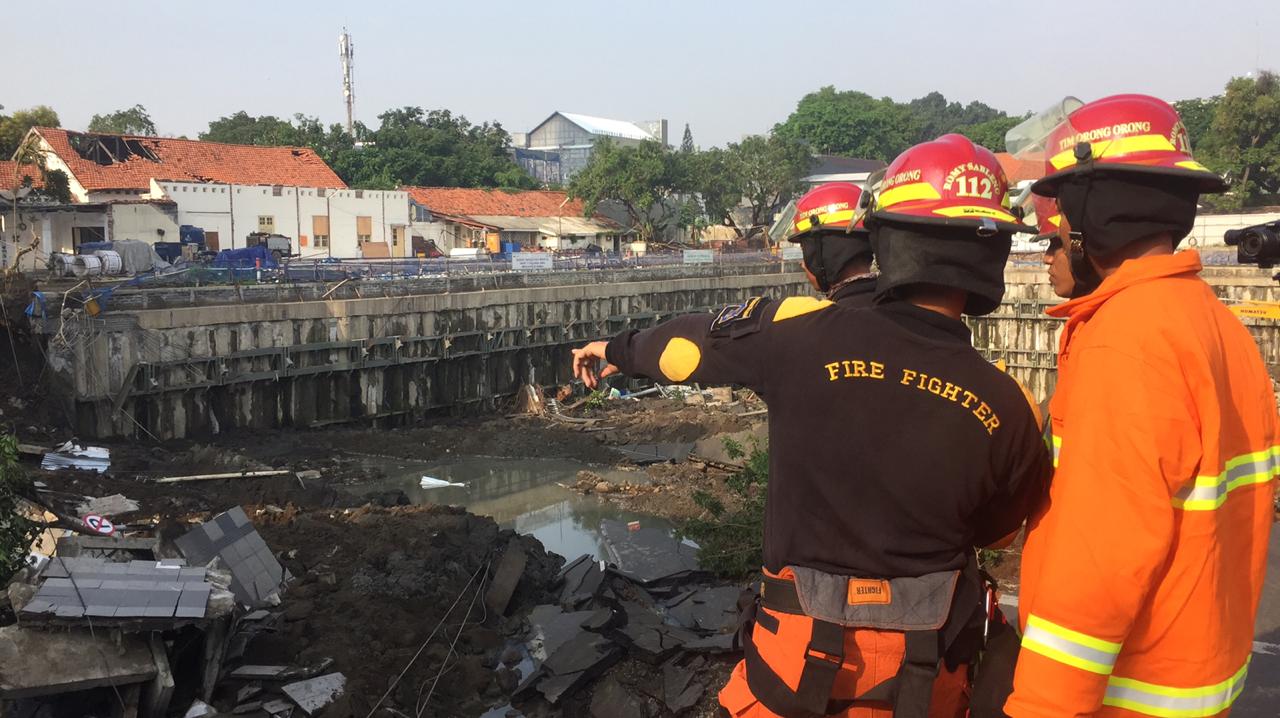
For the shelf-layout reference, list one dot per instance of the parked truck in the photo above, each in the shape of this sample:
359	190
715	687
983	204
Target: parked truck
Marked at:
279	245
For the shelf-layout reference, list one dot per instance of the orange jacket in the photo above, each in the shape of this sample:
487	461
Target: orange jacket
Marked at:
1140	581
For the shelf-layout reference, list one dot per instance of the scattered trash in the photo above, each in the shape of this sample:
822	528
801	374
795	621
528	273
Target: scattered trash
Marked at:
433	483
316	693
308	475
113	505
633	525
228	475
200	709
656	453
74	456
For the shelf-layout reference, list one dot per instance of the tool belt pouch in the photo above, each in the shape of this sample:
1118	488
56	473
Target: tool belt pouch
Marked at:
919	607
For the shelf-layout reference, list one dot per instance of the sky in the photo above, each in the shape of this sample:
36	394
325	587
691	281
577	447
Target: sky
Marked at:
728	69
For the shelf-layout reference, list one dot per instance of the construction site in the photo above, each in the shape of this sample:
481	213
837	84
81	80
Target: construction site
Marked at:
447	522
302	419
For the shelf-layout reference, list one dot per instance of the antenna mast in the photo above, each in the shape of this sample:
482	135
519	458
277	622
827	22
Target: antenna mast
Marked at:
347	52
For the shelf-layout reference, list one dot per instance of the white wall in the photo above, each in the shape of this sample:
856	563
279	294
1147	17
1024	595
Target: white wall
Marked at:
233	211
1210	227
144	222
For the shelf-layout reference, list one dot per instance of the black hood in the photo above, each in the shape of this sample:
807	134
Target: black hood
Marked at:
955	257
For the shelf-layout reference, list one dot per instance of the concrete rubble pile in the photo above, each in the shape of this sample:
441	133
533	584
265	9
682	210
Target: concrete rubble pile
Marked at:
139	625
649	602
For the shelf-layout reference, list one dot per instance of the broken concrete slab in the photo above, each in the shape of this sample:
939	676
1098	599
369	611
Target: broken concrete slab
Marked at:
582	579
648	637
679	691
39	663
712	609
256	575
110	506
552	628
717	643
251	672
656	453
316	693
583	652
505	578
248	692
648	555
278	707
249	707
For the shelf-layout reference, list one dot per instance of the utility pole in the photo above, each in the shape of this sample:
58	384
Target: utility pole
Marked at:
347	52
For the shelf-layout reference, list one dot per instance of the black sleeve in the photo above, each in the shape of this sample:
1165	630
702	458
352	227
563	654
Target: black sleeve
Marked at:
729	347
1023	469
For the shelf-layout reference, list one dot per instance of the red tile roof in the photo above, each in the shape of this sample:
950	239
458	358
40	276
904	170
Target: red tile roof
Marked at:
6	174
463	202
1018	170
191	161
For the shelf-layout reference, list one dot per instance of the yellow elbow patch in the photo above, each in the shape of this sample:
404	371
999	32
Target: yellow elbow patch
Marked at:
680	359
796	306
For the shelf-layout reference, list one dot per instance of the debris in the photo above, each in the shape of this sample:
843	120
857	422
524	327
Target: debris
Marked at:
230	475
316	693
278	707
648	555
433	483
654	640
656	453
711	609
584	657
248	692
97	589
200	709
111	548
45	663
552	628
74	456
249	707
113	505
263	672
505	577
309	475
256	575
582	579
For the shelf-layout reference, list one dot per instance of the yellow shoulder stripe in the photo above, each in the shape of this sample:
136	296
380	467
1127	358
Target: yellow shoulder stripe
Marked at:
679	359
796	306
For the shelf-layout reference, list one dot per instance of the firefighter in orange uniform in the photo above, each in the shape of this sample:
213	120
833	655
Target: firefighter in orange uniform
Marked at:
1141	580
895	448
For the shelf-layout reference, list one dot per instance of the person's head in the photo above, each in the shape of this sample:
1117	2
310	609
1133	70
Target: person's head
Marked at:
941	223
828	228
1121	171
1056	262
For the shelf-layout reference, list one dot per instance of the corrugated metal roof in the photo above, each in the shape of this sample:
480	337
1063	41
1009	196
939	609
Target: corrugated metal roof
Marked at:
550	226
605	126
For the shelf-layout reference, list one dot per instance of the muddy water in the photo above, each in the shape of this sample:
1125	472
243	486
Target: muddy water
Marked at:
530	496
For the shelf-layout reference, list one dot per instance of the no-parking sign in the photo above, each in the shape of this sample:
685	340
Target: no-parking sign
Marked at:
99	524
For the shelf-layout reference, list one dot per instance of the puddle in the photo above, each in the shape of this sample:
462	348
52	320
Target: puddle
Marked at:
527	495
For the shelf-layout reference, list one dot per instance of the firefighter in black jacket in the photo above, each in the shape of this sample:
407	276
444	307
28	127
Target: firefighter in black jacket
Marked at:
837	247
895	448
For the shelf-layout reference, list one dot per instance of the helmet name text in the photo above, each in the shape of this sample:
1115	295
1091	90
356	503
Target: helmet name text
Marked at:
901	177
1120	129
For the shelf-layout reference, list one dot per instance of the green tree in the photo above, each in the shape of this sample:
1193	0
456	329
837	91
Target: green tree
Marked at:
935	116
851	123
13	128
646	180
990	134
1197	115
17	532
132	121
1245	138
744	184
686	143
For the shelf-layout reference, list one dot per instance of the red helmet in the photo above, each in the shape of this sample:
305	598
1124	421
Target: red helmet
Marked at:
835	206
1128	133
949	181
1048	218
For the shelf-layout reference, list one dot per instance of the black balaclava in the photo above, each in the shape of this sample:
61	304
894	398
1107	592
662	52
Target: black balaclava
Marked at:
826	254
911	253
1113	209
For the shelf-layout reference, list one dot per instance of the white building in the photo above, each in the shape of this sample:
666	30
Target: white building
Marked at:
561	145
126	187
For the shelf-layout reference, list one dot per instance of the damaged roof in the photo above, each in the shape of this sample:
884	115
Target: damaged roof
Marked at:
7	168
127	162
470	202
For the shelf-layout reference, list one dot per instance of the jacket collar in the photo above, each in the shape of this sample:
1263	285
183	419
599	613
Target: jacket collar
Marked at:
1132	272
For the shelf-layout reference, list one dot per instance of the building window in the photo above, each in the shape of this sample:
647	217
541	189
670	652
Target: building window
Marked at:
364	229
266	223
320	230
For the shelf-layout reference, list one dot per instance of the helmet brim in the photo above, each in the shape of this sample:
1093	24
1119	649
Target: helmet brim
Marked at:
1001	225
1208	183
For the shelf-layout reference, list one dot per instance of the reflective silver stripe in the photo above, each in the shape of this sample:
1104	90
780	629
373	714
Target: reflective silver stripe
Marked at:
1070	647
1170	702
1210	492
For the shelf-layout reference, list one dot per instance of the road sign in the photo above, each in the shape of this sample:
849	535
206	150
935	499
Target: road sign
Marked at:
99	524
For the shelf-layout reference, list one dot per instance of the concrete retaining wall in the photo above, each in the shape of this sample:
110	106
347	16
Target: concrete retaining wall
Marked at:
193	370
